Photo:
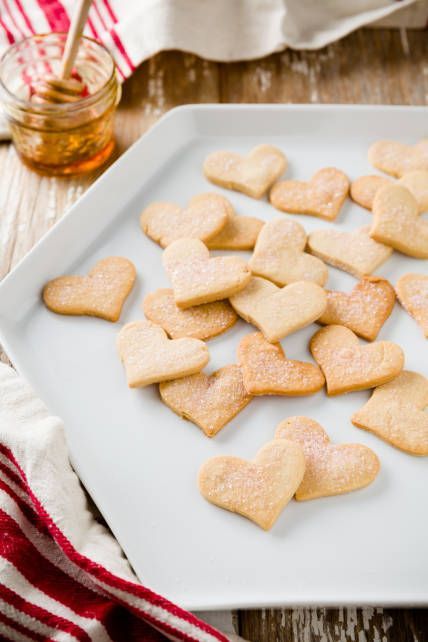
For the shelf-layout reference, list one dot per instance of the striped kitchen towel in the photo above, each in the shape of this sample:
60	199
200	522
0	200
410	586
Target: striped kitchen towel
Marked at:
63	577
135	30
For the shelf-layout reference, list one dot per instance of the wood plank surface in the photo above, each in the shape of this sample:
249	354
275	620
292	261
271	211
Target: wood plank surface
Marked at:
369	66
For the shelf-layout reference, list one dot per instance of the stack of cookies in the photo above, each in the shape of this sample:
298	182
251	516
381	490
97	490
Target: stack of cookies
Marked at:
278	291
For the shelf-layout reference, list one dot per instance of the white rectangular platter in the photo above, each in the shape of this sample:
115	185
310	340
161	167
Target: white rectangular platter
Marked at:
140	461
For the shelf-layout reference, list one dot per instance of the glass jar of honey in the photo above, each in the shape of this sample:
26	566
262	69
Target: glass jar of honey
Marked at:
61	138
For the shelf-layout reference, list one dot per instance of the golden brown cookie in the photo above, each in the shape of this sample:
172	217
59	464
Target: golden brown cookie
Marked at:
349	366
280	257
200	322
417	184
397	159
258	489
150	357
363	189
267	371
354	252
412	292
239	233
278	312
397	221
322	196
204	217
101	293
331	469
209	401
395	413
364	310
252	174
197	279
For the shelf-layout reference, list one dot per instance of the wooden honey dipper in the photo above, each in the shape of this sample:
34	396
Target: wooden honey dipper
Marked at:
63	88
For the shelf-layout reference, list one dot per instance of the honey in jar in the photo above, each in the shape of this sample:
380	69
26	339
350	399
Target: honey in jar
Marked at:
60	138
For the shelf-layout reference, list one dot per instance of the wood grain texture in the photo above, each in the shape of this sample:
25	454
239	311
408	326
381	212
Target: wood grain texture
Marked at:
373	66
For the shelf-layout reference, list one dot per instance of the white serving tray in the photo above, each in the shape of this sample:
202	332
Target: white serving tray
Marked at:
140	461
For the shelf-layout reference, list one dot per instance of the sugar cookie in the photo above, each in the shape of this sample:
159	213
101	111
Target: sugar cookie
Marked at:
395	413
239	233
417	184
267	371
197	279
364	310
278	312
364	188
354	252
101	293
202	219
331	469
322	196
209	401
258	489
252	174
412	292
200	322
397	159
397	223
150	357
349	366
280	257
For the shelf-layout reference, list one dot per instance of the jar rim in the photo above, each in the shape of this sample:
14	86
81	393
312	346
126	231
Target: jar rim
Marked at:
48	108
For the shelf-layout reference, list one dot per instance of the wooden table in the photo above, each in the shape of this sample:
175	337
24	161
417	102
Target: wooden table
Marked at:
368	66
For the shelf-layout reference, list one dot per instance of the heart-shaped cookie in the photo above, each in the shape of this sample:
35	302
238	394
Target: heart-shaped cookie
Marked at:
417	184
412	292
331	469
197	279
267	371
280	257
252	174
348	366
397	159
258	489
397	223
209	401
239	233
200	322
363	189
101	293
150	357
364	310
322	196
395	413
278	312
354	252
202	219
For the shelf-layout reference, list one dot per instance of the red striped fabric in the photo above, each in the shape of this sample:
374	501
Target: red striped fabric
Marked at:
49	591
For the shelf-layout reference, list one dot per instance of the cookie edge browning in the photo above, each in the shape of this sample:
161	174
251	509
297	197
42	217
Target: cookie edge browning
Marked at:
368	336
404	304
307	497
202	337
309	212
344	390
114	317
354	419
264	391
207	432
267	523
